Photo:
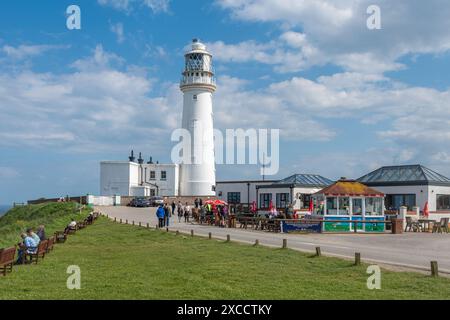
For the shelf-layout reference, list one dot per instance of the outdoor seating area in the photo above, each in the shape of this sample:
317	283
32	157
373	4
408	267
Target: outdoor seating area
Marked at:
32	255
427	225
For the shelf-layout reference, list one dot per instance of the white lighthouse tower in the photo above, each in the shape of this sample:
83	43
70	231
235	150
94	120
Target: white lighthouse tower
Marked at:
198	177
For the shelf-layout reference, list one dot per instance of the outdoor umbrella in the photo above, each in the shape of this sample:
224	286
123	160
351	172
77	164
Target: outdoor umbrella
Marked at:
426	211
270	205
311	206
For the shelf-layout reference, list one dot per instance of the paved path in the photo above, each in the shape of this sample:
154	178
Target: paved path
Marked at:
410	250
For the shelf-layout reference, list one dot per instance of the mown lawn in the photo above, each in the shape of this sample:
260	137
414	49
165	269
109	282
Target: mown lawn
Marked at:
55	217
127	262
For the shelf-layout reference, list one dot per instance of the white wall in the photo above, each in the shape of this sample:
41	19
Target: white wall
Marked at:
433	191
116	177
169	186
239	186
292	198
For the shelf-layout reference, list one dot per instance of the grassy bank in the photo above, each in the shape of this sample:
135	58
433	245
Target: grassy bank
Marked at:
127	262
55	216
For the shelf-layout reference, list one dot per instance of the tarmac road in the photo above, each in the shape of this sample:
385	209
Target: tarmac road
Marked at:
409	250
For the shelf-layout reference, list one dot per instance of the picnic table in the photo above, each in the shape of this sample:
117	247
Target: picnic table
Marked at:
426	224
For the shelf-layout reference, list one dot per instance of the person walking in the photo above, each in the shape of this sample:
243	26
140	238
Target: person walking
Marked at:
196	203
180	211
173	207
160	214
166	215
187	212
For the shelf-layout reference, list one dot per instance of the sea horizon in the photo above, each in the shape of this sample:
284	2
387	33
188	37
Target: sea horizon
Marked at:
4	208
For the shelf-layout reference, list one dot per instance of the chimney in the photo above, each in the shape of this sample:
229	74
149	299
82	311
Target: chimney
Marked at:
140	160
131	157
150	161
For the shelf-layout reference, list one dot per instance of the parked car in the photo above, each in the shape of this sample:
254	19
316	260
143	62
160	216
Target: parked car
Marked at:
140	202
156	201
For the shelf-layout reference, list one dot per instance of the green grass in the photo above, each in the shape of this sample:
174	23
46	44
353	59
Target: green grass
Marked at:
55	216
126	262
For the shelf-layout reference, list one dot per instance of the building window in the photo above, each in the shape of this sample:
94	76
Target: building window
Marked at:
282	200
163	175
442	202
332	206
344	206
152	175
234	197
264	200
395	201
305	199
152	192
194	97
374	206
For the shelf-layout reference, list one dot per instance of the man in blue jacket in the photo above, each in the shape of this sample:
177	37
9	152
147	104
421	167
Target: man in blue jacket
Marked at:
160	213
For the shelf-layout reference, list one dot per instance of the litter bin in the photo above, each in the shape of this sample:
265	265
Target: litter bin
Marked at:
397	226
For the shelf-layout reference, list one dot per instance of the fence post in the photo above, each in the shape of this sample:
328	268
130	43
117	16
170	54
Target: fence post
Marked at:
256	242
434	269
120	220
318	252
148	226
192	233
284	243
140	225
177	233
167	229
228	238
126	221
210	236
357	258
133	222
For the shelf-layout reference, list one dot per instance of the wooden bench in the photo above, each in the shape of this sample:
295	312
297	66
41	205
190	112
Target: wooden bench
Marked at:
50	244
81	225
7	260
71	230
60	237
40	252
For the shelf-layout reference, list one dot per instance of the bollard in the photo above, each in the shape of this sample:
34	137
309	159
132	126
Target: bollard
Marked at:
120	220
256	242
126	221
210	236
434	269
133	222
148	226
140	225
357	258
167	229
115	219
318	252
192	233
284	243
177	233
228	238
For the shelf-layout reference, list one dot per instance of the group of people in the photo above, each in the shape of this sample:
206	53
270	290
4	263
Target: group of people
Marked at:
186	211
30	242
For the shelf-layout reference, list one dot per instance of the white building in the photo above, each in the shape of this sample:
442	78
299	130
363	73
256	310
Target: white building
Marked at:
198	176
195	177
130	178
411	186
296	190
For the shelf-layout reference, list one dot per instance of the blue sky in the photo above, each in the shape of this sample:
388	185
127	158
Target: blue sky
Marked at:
347	99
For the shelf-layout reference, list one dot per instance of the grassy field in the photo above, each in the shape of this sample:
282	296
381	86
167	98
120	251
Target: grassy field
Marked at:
127	262
55	216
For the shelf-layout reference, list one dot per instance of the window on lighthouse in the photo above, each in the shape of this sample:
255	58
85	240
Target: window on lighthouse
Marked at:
194	97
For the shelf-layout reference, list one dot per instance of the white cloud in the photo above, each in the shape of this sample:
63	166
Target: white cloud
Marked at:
27	51
117	29
95	108
8	173
156	6
336	33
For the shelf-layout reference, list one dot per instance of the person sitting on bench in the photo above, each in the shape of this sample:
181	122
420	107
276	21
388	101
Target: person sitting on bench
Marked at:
41	232
28	244
90	217
71	226
36	238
